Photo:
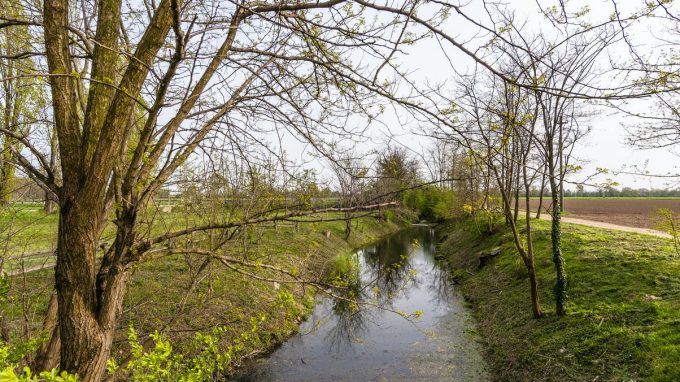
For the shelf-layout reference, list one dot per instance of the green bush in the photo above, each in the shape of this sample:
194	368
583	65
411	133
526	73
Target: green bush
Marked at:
11	355
431	203
9	366
344	269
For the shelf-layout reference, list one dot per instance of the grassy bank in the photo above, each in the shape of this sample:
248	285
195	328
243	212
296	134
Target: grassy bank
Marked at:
623	321
547	198
209	312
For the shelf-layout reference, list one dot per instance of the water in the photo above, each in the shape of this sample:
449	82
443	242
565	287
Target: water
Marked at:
340	343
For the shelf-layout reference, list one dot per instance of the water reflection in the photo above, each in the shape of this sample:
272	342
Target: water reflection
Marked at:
387	269
350	319
346	341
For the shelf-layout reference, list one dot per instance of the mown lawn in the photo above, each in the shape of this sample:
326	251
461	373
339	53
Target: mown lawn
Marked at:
623	319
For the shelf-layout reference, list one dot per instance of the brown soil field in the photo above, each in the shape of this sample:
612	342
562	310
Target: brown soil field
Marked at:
629	212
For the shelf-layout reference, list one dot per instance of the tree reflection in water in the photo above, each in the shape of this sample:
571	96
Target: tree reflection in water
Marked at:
383	273
358	336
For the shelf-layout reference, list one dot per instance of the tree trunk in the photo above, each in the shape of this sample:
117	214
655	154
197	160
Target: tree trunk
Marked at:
48	355
540	196
8	121
88	307
526	254
7	176
50	205
535	300
560	288
515	214
84	346
51	199
561	158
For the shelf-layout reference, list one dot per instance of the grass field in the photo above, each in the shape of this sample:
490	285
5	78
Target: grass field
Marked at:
26	232
634	212
618	197
223	301
623	321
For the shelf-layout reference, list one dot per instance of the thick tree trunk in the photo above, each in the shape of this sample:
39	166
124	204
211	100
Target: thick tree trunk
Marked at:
90	146
89	304
84	346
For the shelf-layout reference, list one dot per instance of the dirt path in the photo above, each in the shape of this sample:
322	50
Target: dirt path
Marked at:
591	223
629	212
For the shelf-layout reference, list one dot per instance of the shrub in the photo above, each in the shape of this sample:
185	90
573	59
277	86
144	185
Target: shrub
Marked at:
431	203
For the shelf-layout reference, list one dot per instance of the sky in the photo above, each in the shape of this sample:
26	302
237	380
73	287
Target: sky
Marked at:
430	62
604	147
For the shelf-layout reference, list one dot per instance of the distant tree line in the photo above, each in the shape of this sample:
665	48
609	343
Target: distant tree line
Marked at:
608	192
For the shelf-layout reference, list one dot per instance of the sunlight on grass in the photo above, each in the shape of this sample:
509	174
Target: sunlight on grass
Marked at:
623	306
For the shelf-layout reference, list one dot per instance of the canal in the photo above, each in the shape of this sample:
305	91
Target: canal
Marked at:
397	277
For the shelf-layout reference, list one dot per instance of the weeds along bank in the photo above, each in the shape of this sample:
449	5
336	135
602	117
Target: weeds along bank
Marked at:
186	318
623	316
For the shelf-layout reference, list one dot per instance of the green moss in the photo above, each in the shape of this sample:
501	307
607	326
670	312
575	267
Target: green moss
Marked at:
622	309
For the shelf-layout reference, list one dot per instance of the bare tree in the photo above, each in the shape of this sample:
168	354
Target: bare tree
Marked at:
496	123
138	88
571	69
22	100
134	94
351	175
442	160
396	170
568	67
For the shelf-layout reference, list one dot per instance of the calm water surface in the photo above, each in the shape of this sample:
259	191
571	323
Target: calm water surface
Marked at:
372	344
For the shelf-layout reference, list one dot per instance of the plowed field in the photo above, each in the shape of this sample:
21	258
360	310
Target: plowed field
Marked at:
640	212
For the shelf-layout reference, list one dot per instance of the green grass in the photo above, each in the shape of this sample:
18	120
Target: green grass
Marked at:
157	297
26	229
612	198
623	320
